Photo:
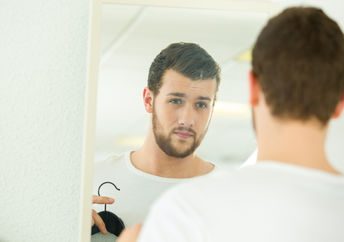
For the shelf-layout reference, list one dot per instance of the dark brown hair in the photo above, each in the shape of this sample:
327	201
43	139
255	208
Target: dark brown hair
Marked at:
299	62
188	59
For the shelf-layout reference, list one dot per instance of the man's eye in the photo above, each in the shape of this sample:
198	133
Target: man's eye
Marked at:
176	101
201	105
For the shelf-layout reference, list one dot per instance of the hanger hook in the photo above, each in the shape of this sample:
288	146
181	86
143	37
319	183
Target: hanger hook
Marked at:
102	185
105	183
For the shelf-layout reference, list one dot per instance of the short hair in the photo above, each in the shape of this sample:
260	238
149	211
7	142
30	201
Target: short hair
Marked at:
298	60
188	59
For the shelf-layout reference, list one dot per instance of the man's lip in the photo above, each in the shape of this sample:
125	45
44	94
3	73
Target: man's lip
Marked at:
183	134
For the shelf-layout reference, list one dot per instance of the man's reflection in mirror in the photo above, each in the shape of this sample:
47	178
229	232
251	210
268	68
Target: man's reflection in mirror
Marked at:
180	95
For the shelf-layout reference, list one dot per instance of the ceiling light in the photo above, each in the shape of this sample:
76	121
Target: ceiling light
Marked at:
245	56
130	140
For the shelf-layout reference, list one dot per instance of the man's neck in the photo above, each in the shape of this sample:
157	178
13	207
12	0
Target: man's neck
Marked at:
295	143
151	159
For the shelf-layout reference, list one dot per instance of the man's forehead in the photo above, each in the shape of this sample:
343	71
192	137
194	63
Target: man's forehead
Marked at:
174	82
202	88
172	74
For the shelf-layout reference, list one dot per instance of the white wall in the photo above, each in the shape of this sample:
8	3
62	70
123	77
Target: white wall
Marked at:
43	51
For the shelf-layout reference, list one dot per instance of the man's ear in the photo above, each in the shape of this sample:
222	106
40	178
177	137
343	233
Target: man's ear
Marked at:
148	99
339	108
254	89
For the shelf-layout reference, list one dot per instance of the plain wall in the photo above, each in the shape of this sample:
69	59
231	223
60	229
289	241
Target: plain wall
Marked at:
43	60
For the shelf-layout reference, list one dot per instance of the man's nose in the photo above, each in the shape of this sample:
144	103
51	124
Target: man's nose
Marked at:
187	116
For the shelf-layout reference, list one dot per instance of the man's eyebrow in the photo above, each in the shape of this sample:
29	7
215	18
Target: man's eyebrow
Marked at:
177	94
204	98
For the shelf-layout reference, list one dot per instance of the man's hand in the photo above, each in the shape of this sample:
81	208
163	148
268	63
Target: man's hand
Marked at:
130	234
96	219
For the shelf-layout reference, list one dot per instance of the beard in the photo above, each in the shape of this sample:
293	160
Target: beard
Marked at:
166	144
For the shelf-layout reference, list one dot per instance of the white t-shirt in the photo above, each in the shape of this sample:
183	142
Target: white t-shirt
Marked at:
269	201
252	160
138	190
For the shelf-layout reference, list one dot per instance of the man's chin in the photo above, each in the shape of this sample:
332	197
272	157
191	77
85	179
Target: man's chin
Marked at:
181	153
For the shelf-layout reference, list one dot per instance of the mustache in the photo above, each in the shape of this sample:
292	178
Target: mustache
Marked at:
190	130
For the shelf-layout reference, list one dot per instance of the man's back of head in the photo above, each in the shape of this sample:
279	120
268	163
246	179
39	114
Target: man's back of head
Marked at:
297	86
299	62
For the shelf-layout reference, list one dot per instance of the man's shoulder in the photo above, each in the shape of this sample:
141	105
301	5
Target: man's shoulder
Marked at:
200	187
112	160
113	167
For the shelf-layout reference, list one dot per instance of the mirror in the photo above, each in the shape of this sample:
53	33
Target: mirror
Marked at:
130	38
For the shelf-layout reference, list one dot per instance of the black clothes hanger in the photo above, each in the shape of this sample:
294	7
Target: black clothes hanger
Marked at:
113	223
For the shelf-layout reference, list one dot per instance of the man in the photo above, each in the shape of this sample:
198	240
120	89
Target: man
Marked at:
182	84
293	193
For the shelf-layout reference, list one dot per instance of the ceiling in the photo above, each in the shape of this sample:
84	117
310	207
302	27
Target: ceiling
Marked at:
131	36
